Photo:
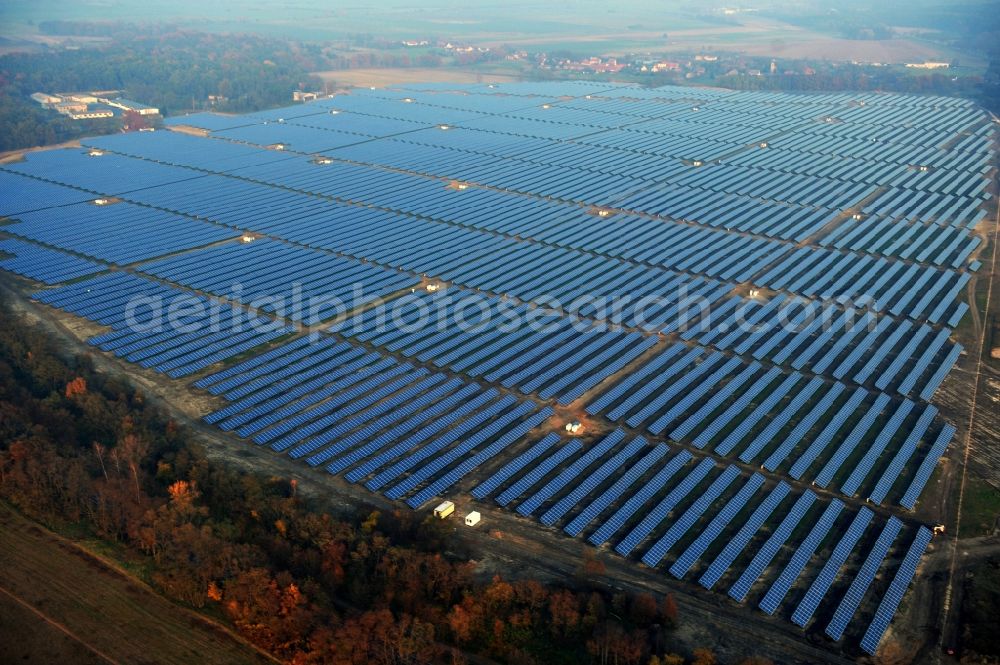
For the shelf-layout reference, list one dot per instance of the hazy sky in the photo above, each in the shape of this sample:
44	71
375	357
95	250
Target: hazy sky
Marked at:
311	19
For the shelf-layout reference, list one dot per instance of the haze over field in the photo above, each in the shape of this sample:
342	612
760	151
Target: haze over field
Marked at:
773	27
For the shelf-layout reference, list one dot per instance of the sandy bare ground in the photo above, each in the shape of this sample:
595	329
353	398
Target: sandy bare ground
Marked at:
17	155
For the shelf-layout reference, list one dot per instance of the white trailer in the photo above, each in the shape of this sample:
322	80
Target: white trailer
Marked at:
444	509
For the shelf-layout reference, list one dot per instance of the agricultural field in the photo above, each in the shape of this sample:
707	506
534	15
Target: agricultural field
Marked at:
406	19
749	35
700	329
381	77
780	40
68	605
581	27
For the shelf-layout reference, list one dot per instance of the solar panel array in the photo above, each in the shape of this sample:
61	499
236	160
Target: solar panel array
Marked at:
741	294
120	233
890	601
161	327
42	264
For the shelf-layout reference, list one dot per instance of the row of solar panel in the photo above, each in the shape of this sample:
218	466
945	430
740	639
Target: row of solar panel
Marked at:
500	342
558	181
865	144
845	344
894	595
793	188
943	116
43	264
625	99
900	288
697	396
674	108
632	151
563	183
25	194
975	144
161	327
729	211
826	166
914	134
757	96
624	152
526	217
191	197
905	175
570	275
862	152
942	209
300	284
113	175
414	194
620	469
181	149
922	138
293	136
117	299
665	139
367	415
588	116
471	101
922	243
680	247
120	233
908	109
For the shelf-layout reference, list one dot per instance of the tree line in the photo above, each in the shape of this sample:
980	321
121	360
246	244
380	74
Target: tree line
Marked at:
83	448
173	70
176	70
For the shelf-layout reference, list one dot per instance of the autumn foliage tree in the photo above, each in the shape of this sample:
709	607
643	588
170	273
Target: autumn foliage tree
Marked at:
703	657
668	610
77	386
